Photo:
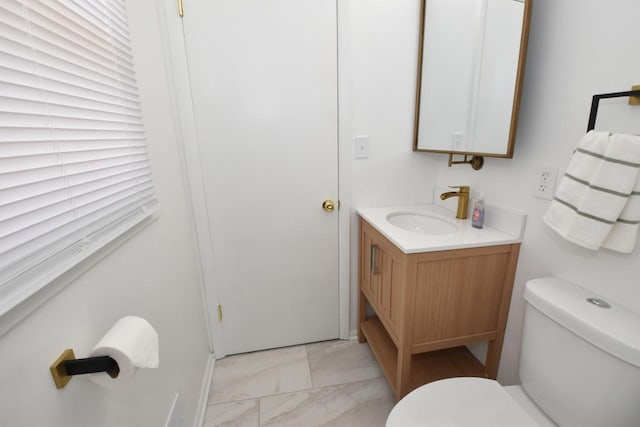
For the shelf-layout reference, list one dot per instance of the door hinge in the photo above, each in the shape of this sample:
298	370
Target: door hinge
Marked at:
219	313
180	8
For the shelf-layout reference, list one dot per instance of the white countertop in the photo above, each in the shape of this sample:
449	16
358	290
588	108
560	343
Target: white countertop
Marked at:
501	227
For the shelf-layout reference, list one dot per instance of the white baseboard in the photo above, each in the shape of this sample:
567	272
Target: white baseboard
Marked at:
353	334
201	409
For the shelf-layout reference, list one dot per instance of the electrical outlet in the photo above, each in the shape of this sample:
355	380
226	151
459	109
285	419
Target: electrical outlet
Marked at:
545	182
457	140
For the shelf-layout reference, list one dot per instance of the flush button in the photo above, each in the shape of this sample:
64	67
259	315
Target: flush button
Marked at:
599	302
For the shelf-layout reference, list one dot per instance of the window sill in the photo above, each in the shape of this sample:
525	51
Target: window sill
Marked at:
32	302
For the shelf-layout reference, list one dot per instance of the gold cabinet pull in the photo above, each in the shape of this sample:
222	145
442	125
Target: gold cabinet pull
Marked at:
374	260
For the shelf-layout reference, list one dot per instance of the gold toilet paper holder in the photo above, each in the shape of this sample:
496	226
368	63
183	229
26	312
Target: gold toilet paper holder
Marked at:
66	365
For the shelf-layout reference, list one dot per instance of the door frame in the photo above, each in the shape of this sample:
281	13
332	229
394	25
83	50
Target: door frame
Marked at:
176	66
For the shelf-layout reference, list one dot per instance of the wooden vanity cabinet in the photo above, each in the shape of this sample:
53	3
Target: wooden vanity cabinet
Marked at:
424	307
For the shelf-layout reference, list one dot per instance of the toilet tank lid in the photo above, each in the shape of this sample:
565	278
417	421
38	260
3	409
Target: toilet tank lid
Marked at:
614	330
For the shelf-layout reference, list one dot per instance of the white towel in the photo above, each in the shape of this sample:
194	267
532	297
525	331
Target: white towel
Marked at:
622	237
595	205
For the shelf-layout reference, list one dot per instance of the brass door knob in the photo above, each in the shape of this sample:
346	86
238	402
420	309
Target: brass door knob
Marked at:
328	205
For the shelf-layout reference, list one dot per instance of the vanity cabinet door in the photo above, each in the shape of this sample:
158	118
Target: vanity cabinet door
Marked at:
381	275
389	301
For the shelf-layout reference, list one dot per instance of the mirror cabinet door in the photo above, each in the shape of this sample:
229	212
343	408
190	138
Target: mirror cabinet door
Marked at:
470	70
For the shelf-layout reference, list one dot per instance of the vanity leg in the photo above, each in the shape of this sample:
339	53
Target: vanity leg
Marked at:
362	315
493	358
494	350
492	362
403	381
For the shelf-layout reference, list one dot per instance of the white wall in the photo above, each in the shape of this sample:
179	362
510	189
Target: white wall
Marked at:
153	275
577	48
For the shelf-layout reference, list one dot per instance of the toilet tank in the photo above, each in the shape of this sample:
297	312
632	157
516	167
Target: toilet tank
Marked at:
580	363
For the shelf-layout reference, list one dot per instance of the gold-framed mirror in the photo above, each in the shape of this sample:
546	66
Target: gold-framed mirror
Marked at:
471	63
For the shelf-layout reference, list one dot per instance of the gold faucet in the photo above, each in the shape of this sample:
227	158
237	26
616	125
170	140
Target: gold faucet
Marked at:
463	199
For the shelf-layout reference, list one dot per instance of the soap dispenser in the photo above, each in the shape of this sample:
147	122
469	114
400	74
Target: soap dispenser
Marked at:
477	218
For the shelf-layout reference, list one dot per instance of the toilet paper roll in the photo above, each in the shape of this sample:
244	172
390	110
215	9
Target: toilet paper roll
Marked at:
132	343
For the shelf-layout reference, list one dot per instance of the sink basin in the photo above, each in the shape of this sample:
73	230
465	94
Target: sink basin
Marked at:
422	223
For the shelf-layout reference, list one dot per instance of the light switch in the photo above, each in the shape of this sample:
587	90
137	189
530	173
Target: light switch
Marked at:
362	146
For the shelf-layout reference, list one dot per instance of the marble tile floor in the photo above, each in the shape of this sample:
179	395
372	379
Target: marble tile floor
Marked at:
332	383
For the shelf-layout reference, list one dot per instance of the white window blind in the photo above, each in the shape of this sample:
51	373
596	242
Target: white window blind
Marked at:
74	170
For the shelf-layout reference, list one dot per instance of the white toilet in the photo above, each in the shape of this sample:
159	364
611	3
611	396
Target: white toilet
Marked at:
579	367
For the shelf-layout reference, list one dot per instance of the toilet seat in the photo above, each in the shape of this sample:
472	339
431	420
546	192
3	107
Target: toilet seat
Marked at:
458	402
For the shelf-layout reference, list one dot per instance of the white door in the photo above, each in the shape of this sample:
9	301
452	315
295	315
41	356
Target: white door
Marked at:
264	82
